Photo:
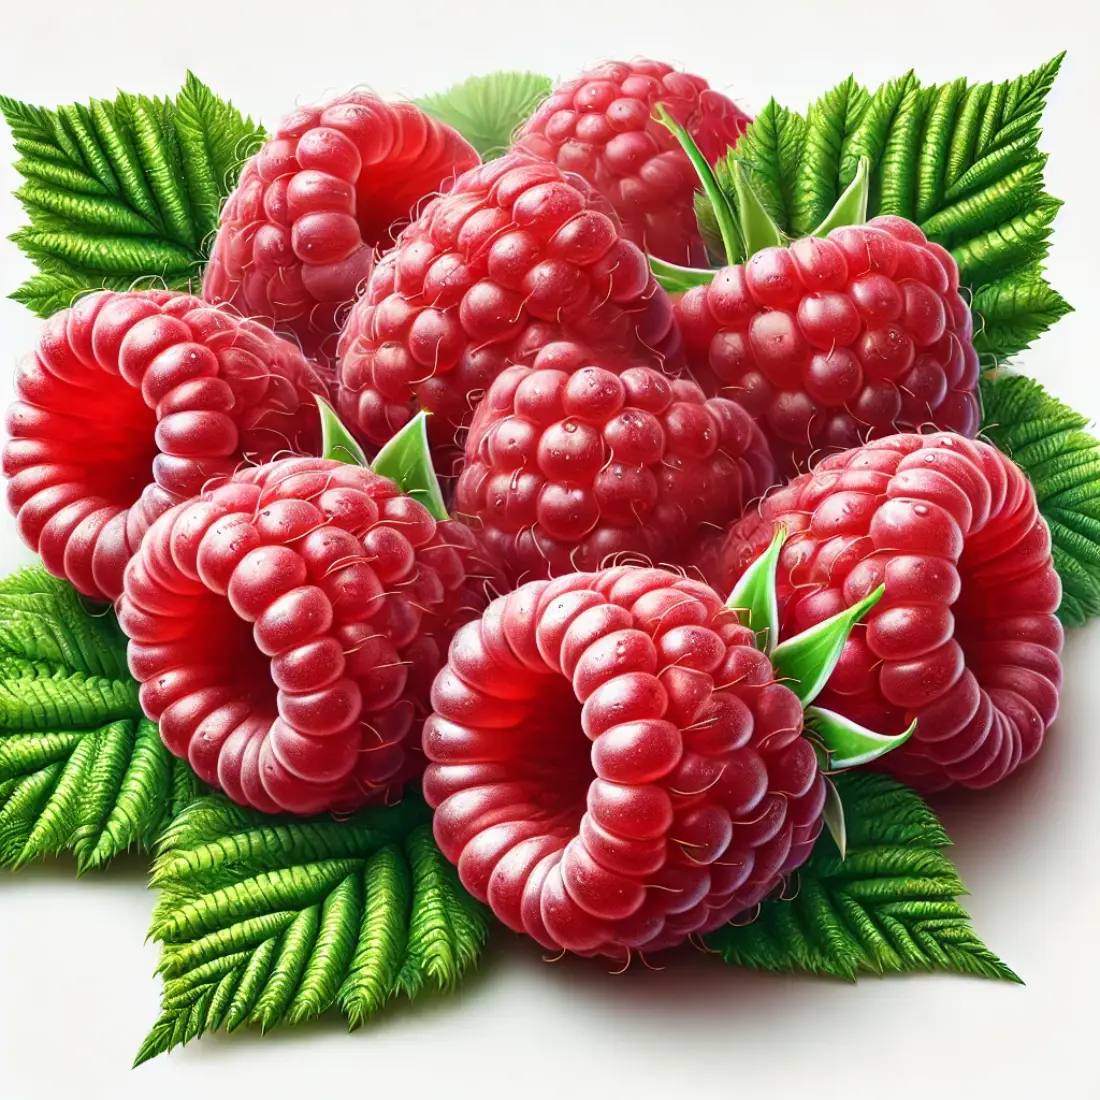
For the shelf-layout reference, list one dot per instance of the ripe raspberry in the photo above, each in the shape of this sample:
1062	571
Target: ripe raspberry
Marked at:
285	627
573	461
834	341
513	256
130	403
613	765
602	127
964	640
298	235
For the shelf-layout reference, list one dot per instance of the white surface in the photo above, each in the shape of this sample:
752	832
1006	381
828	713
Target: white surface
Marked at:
77	993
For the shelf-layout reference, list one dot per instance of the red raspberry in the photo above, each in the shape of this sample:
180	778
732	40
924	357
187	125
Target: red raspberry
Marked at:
602	127
613	764
834	341
964	640
574	461
130	403
514	255
298	235
285	627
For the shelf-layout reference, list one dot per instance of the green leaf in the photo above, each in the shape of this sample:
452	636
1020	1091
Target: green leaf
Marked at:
487	110
847	744
961	160
887	906
806	661
1047	439
273	921
81	769
833	816
407	459
337	442
851	207
676	279
754	595
124	192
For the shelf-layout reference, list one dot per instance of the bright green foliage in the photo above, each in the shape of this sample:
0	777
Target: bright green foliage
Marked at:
275	920
962	160
888	906
407	459
1048	441
487	110
80	769
123	193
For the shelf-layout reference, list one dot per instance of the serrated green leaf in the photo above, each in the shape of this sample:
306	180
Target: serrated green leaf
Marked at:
407	459
885	907
83	770
123	193
487	110
961	160
1047	439
277	920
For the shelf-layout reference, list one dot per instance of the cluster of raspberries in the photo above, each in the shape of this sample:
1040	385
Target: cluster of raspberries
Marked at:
613	761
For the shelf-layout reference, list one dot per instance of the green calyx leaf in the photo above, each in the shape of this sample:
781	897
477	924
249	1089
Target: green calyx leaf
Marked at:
407	459
337	442
123	193
1048	441
888	905
754	596
806	661
756	226
848	744
676	279
272	921
851	207
81	769
961	160
487	110
832	815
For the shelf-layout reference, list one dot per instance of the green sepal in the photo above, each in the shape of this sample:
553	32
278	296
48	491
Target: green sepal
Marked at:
676	279
723	210
407	459
337	443
806	661
754	596
851	207
833	816
757	227
847	744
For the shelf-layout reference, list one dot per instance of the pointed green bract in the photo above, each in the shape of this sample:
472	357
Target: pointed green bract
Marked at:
676	279
806	661
123	194
337	442
1048	441
848	744
833	816
487	110
754	596
756	227
407	459
81	769
851	207
889	906
271	921
961	160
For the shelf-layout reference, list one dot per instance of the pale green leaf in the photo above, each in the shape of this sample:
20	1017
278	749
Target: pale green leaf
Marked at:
407	459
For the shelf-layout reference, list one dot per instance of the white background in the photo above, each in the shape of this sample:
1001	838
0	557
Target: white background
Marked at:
77	992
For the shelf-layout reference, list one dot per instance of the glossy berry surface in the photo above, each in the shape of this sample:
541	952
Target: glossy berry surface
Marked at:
515	255
965	638
132	402
285	627
613	765
602	126
573	462
298	235
835	341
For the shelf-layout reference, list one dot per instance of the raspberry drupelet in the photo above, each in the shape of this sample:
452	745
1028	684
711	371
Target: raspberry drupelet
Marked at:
965	639
285	627
131	403
602	127
299	234
614	766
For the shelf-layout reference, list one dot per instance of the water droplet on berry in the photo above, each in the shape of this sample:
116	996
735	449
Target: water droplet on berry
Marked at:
920	509
569	425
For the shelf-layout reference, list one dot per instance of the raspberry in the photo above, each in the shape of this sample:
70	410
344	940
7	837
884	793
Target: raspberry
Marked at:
573	461
834	341
129	404
285	627
602	127
964	640
513	256
613	765
298	235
